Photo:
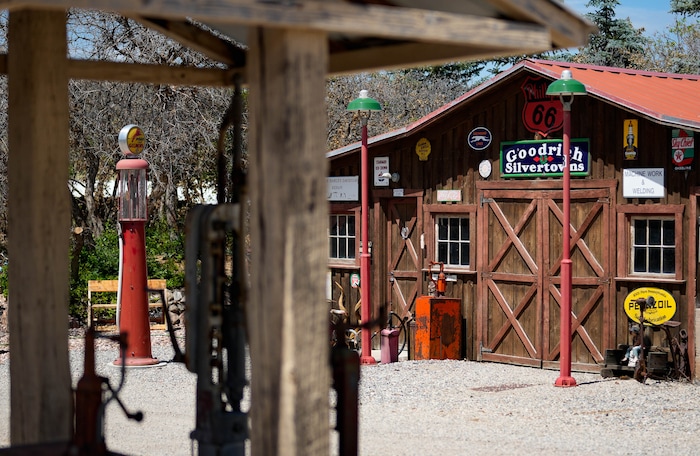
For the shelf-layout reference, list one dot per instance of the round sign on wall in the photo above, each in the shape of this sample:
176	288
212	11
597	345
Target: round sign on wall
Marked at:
662	309
479	138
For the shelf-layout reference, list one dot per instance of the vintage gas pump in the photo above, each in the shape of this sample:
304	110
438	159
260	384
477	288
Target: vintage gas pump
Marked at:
133	317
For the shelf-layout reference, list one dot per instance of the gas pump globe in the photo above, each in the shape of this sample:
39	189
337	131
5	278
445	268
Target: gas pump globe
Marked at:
133	276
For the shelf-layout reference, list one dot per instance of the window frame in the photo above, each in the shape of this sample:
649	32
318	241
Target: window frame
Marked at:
647	247
431	214
351	209
626	215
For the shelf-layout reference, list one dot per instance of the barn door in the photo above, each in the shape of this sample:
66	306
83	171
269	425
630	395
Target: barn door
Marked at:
519	256
404	254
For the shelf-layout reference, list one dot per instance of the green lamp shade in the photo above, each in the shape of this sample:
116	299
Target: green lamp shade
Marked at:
364	103
566	86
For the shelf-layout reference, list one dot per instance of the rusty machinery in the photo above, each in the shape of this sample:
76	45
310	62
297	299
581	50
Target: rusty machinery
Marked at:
678	346
215	337
89	411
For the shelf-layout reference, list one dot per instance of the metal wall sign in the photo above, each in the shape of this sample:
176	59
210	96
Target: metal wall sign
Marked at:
541	113
643	183
683	149
381	166
544	158
343	188
662	309
479	138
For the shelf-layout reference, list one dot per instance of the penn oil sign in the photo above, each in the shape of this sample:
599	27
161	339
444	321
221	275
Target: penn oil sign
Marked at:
662	310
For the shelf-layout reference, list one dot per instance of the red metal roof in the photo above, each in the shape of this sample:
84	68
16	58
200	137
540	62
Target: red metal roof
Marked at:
669	99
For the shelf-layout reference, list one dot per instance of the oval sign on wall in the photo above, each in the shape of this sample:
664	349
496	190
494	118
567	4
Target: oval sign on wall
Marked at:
663	309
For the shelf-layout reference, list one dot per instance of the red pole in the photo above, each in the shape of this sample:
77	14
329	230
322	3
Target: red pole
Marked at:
565	379
365	308
133	319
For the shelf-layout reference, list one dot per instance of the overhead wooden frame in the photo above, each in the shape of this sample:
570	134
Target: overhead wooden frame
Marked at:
288	48
363	35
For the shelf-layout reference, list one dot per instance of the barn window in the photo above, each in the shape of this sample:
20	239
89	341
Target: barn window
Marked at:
452	237
653	245
342	236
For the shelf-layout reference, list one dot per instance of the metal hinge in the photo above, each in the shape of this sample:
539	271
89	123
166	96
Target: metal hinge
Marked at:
486	200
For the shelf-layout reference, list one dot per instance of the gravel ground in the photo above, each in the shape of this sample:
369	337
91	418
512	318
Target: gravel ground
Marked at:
428	408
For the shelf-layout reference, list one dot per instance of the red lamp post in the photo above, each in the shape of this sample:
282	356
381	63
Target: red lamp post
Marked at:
364	107
566	88
133	315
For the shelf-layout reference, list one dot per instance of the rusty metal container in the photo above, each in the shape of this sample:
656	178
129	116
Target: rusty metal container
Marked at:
438	328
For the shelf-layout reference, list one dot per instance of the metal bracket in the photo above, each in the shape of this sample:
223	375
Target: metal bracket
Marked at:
485	200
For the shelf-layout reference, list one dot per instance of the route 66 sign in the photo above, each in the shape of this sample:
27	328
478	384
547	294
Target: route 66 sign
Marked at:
541	113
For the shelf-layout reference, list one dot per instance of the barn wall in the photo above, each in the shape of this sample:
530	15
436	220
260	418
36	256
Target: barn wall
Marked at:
453	165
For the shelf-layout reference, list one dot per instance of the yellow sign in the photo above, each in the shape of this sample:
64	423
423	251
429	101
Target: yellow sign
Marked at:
661	310
423	149
131	140
629	141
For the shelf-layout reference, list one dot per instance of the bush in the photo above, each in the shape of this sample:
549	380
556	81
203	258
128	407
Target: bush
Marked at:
164	260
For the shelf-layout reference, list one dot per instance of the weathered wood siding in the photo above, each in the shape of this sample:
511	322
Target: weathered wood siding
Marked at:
452	164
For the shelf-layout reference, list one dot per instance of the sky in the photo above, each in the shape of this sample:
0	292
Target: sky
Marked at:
653	15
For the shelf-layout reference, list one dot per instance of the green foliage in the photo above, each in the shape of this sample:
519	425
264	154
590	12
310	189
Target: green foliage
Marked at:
618	43
676	50
685	7
100	261
165	253
3	279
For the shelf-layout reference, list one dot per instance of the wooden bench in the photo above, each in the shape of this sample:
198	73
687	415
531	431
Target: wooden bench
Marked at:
112	286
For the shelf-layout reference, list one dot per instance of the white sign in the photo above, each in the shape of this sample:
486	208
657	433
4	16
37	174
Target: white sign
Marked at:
449	196
643	183
381	166
343	188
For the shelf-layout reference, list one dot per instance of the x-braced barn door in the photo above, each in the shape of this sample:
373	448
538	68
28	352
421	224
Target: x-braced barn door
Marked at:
519	256
404	222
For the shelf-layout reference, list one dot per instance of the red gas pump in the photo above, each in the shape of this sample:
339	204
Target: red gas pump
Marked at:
133	315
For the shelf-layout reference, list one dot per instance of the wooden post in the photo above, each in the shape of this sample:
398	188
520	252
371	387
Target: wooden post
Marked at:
287	310
39	228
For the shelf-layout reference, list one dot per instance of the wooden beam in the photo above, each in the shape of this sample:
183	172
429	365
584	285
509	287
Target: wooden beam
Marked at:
287	311
150	74
331	17
408	54
143	73
196	38
567	30
39	214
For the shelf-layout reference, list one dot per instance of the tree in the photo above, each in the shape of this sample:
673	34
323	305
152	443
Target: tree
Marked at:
676	50
181	123
685	7
405	96
617	44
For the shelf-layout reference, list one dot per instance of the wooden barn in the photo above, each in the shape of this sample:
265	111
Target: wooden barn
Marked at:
477	185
